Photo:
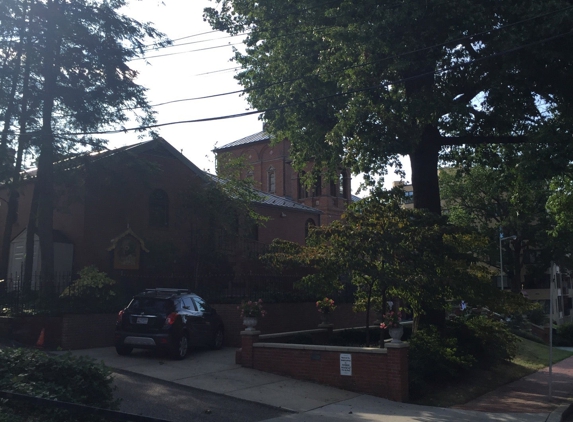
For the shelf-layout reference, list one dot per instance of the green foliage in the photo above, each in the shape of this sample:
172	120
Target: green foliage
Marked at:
64	378
361	82
564	335
475	341
434	358
505	189
389	251
536	315
92	284
489	341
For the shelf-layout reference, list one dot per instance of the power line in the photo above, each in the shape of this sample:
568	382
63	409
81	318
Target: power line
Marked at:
185	52
290	80
350	92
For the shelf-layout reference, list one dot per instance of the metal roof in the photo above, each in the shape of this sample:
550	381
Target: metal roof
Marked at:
272	200
280	201
257	137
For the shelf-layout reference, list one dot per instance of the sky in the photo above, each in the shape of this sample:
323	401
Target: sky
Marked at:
199	66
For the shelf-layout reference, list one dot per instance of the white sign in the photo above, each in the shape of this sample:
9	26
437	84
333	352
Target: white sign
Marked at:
345	364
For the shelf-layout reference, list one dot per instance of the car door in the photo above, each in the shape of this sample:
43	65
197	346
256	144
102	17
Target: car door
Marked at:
205	324
192	320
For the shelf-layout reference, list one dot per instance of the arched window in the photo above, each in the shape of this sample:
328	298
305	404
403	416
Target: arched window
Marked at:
158	209
302	192
332	188
342	191
271	179
318	186
309	223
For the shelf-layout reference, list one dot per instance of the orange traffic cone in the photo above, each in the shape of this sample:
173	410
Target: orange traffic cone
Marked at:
40	342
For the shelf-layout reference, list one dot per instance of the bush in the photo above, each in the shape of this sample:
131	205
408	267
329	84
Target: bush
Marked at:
467	342
93	291
490	342
64	378
434	358
536	316
564	335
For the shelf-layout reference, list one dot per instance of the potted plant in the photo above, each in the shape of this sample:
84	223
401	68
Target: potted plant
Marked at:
391	320
325	307
250	312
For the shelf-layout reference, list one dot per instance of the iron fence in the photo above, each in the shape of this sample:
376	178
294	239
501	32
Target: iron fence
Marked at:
59	294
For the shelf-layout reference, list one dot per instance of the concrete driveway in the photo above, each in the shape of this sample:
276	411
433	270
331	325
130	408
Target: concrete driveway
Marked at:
215	371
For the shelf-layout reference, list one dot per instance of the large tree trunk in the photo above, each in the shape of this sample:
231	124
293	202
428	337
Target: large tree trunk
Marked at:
518	260
45	175
424	162
13	196
30	234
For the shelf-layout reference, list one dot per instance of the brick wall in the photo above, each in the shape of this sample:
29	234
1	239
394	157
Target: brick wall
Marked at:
96	330
87	331
379	372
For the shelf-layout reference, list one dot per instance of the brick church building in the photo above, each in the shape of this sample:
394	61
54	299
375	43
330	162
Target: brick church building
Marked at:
273	174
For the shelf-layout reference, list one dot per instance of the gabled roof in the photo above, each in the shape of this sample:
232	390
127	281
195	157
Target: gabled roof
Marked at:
251	139
79	160
269	199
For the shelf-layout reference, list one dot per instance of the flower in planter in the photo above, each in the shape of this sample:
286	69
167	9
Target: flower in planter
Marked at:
391	320
252	309
325	305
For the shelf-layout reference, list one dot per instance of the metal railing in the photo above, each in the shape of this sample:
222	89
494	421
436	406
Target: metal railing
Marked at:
60	295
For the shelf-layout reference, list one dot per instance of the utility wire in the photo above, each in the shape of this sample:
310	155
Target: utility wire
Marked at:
396	56
350	92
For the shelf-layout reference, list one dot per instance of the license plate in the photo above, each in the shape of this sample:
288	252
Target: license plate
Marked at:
141	320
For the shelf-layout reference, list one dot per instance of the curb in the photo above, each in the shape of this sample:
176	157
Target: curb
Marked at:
559	414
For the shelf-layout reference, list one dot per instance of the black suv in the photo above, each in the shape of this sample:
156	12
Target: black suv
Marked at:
167	319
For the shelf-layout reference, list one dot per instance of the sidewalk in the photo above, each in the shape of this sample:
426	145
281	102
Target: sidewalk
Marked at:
531	393
524	400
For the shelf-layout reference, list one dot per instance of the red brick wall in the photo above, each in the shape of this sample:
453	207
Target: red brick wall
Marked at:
87	331
96	330
69	332
381	372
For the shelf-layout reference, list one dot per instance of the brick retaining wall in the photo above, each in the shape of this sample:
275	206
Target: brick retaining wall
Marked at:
380	372
72	332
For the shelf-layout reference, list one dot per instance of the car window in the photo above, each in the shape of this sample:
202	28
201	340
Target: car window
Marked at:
188	303
148	304
201	305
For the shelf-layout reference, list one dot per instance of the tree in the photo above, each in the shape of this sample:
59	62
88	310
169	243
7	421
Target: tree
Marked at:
390	251
504	191
364	82
81	83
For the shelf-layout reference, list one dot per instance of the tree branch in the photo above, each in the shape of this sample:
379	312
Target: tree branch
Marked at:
480	140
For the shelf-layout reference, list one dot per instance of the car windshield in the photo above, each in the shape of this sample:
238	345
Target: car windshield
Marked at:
151	305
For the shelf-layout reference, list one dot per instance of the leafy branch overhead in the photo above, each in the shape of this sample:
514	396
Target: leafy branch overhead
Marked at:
358	84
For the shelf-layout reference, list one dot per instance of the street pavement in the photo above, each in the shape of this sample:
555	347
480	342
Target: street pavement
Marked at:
215	371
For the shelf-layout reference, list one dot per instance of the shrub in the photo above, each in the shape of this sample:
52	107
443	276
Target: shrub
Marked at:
536	316
564	335
64	378
434	358
489	341
91	284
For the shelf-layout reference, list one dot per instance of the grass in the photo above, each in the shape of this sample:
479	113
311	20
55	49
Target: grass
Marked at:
531	357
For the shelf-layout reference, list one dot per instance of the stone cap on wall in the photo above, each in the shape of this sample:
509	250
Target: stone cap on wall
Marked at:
343	349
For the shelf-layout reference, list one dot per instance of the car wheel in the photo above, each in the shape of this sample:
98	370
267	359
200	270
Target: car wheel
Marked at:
217	342
180	347
123	350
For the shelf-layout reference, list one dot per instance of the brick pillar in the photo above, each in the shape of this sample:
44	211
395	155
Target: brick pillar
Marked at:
397	371
248	338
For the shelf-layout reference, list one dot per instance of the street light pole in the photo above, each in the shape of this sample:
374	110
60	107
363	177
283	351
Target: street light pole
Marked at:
501	257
